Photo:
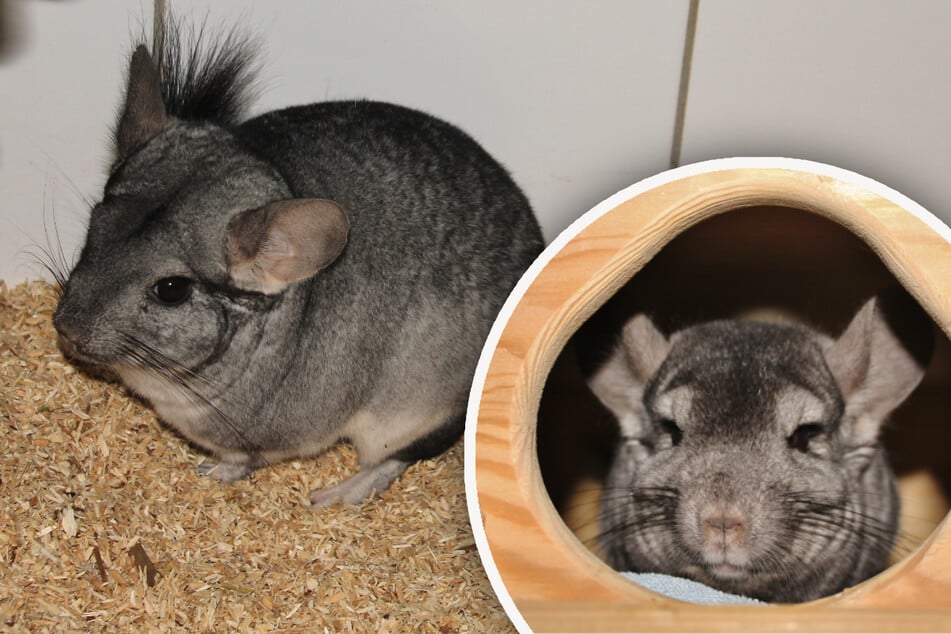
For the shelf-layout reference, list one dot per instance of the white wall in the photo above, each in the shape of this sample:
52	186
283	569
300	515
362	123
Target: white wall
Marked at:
576	99
861	84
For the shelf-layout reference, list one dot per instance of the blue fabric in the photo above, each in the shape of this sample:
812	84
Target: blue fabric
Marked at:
688	590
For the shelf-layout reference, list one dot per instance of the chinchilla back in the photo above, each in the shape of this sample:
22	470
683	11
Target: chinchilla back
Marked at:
435	223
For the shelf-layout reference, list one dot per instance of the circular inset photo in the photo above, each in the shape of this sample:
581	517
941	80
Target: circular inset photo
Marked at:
724	387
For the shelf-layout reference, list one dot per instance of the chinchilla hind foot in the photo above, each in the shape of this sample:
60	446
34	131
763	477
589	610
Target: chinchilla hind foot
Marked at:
368	483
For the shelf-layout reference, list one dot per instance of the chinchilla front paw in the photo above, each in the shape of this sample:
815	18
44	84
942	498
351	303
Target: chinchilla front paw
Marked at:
223	471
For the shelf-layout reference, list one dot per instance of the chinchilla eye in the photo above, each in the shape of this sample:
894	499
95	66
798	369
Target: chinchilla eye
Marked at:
172	291
670	428
802	435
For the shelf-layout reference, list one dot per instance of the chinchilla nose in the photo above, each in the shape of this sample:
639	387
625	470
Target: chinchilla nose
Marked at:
724	524
69	327
68	335
64	324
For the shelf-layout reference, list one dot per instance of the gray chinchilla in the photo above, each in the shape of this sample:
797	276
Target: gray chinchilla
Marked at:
274	285
749	457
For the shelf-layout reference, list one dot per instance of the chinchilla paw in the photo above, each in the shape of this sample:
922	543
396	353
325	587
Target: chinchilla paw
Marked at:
223	471
366	484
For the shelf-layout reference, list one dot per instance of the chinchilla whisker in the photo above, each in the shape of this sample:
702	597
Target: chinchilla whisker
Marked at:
872	530
643	521
594	540
587	524
644	493
640	496
812	502
49	255
588	492
57	254
61	174
645	513
183	378
46	260
822	532
184	374
55	260
580	505
627	529
870	505
904	545
840	515
642	510
192	393
650	508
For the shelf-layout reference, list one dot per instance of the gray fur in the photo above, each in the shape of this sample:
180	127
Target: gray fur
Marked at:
749	457
357	310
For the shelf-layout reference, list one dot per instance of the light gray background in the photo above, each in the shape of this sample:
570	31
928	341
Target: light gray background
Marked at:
577	99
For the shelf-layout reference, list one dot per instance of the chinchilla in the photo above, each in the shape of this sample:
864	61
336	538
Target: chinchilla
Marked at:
749	457
274	285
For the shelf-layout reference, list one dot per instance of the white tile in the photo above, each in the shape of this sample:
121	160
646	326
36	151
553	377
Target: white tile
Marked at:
576	99
860	84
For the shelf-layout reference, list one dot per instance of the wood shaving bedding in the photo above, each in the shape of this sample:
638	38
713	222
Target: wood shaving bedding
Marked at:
106	526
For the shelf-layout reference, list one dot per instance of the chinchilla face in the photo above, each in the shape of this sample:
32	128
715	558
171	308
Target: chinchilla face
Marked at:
749	457
154	268
741	445
187	255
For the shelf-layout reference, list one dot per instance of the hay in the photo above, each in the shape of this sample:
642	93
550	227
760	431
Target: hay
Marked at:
106	526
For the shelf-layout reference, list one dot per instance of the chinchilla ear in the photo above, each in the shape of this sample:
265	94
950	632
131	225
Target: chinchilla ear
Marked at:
878	361
284	242
143	114
619	383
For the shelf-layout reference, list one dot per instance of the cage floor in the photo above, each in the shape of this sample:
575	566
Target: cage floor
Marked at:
106	526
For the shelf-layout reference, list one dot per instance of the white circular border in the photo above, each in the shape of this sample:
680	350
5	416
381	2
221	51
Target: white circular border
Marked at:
704	167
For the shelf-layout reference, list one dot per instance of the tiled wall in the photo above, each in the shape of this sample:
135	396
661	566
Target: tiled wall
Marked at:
856	83
577	99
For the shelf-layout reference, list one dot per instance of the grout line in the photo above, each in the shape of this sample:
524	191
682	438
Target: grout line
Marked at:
686	63
159	12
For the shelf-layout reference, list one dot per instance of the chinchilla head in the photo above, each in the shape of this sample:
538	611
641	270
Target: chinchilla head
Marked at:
749	457
195	239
